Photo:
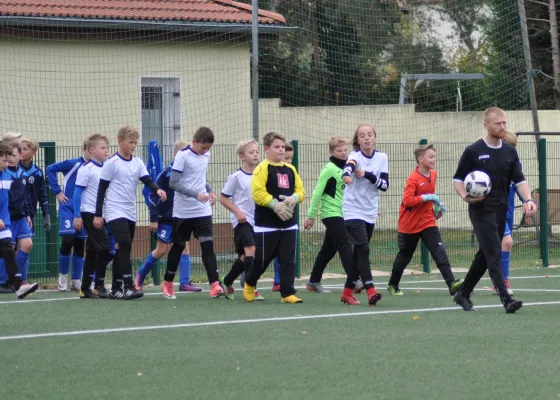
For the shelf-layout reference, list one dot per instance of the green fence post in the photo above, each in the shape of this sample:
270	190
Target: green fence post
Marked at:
543	206
52	236
425	255
295	163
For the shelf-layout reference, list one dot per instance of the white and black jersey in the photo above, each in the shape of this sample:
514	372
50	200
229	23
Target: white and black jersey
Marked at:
238	189
501	163
88	178
193	168
361	197
123	176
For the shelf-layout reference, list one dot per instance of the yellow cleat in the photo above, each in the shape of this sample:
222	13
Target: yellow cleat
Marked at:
291	299
249	292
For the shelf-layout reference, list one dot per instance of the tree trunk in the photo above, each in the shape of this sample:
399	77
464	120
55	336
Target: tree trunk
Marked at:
555	51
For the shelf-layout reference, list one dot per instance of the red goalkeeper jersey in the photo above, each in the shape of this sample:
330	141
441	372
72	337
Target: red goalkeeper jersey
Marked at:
415	215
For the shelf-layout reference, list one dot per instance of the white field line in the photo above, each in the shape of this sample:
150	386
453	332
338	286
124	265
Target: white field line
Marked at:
251	321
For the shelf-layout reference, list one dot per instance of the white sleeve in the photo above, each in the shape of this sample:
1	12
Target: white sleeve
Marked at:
108	171
179	162
142	171
229	187
83	176
385	164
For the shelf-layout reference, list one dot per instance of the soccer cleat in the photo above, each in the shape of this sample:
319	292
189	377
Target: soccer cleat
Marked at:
463	300
75	285
5	288
26	289
216	290
276	287
258	296
168	290
139	280
88	294
374	297
513	305
62	282
130	293
101	292
116	294
316	287
249	292
347	297
394	291
189	287
291	299
455	285
359	287
228	290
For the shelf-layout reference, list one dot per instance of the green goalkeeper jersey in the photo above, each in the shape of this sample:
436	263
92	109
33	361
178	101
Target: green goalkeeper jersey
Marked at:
328	192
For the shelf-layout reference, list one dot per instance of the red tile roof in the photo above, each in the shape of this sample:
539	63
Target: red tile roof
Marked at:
220	11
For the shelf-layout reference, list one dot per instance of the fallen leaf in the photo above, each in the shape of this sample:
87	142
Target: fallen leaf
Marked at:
547	276
468	361
417	291
139	374
432	277
416	318
304	332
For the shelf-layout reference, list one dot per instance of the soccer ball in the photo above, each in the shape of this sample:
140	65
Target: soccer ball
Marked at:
477	184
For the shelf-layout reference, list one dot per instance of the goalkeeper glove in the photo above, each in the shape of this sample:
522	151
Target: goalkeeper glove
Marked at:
439	210
292	201
431	197
47	222
281	209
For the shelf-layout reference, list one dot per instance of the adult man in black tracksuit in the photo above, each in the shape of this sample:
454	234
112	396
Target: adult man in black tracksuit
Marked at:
488	215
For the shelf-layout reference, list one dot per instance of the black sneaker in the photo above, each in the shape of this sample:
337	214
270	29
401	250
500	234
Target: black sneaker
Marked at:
116	294
464	301
26	289
101	292
513	305
7	289
131	293
88	294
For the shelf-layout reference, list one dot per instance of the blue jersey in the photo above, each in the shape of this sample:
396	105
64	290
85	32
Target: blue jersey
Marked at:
69	168
162	211
36	189
5	184
18	206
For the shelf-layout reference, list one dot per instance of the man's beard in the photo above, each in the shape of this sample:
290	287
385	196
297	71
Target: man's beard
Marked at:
497	134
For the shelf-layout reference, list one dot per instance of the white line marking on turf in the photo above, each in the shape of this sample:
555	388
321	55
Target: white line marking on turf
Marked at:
254	320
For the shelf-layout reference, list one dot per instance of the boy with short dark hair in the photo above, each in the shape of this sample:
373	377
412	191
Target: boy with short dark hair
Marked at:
116	204
73	242
417	220
192	210
277	189
14	282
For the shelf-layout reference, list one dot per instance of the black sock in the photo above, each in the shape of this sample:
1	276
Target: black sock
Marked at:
89	268
209	260
236	270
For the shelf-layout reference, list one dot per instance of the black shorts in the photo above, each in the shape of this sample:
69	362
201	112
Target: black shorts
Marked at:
359	231
184	228
243	236
98	239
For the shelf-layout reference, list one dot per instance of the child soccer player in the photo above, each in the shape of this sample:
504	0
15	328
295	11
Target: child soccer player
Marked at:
237	198
192	210
288	159
19	212
71	239
116	204
36	187
507	241
14	281
417	221
277	189
161	223
85	198
365	174
327	196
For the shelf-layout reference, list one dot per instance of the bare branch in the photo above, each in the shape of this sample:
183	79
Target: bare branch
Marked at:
539	2
542	73
539	19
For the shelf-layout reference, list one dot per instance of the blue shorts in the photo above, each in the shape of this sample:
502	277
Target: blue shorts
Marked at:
508	231
20	230
66	224
164	233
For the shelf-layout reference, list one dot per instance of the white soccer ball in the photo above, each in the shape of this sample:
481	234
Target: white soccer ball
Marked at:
477	184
